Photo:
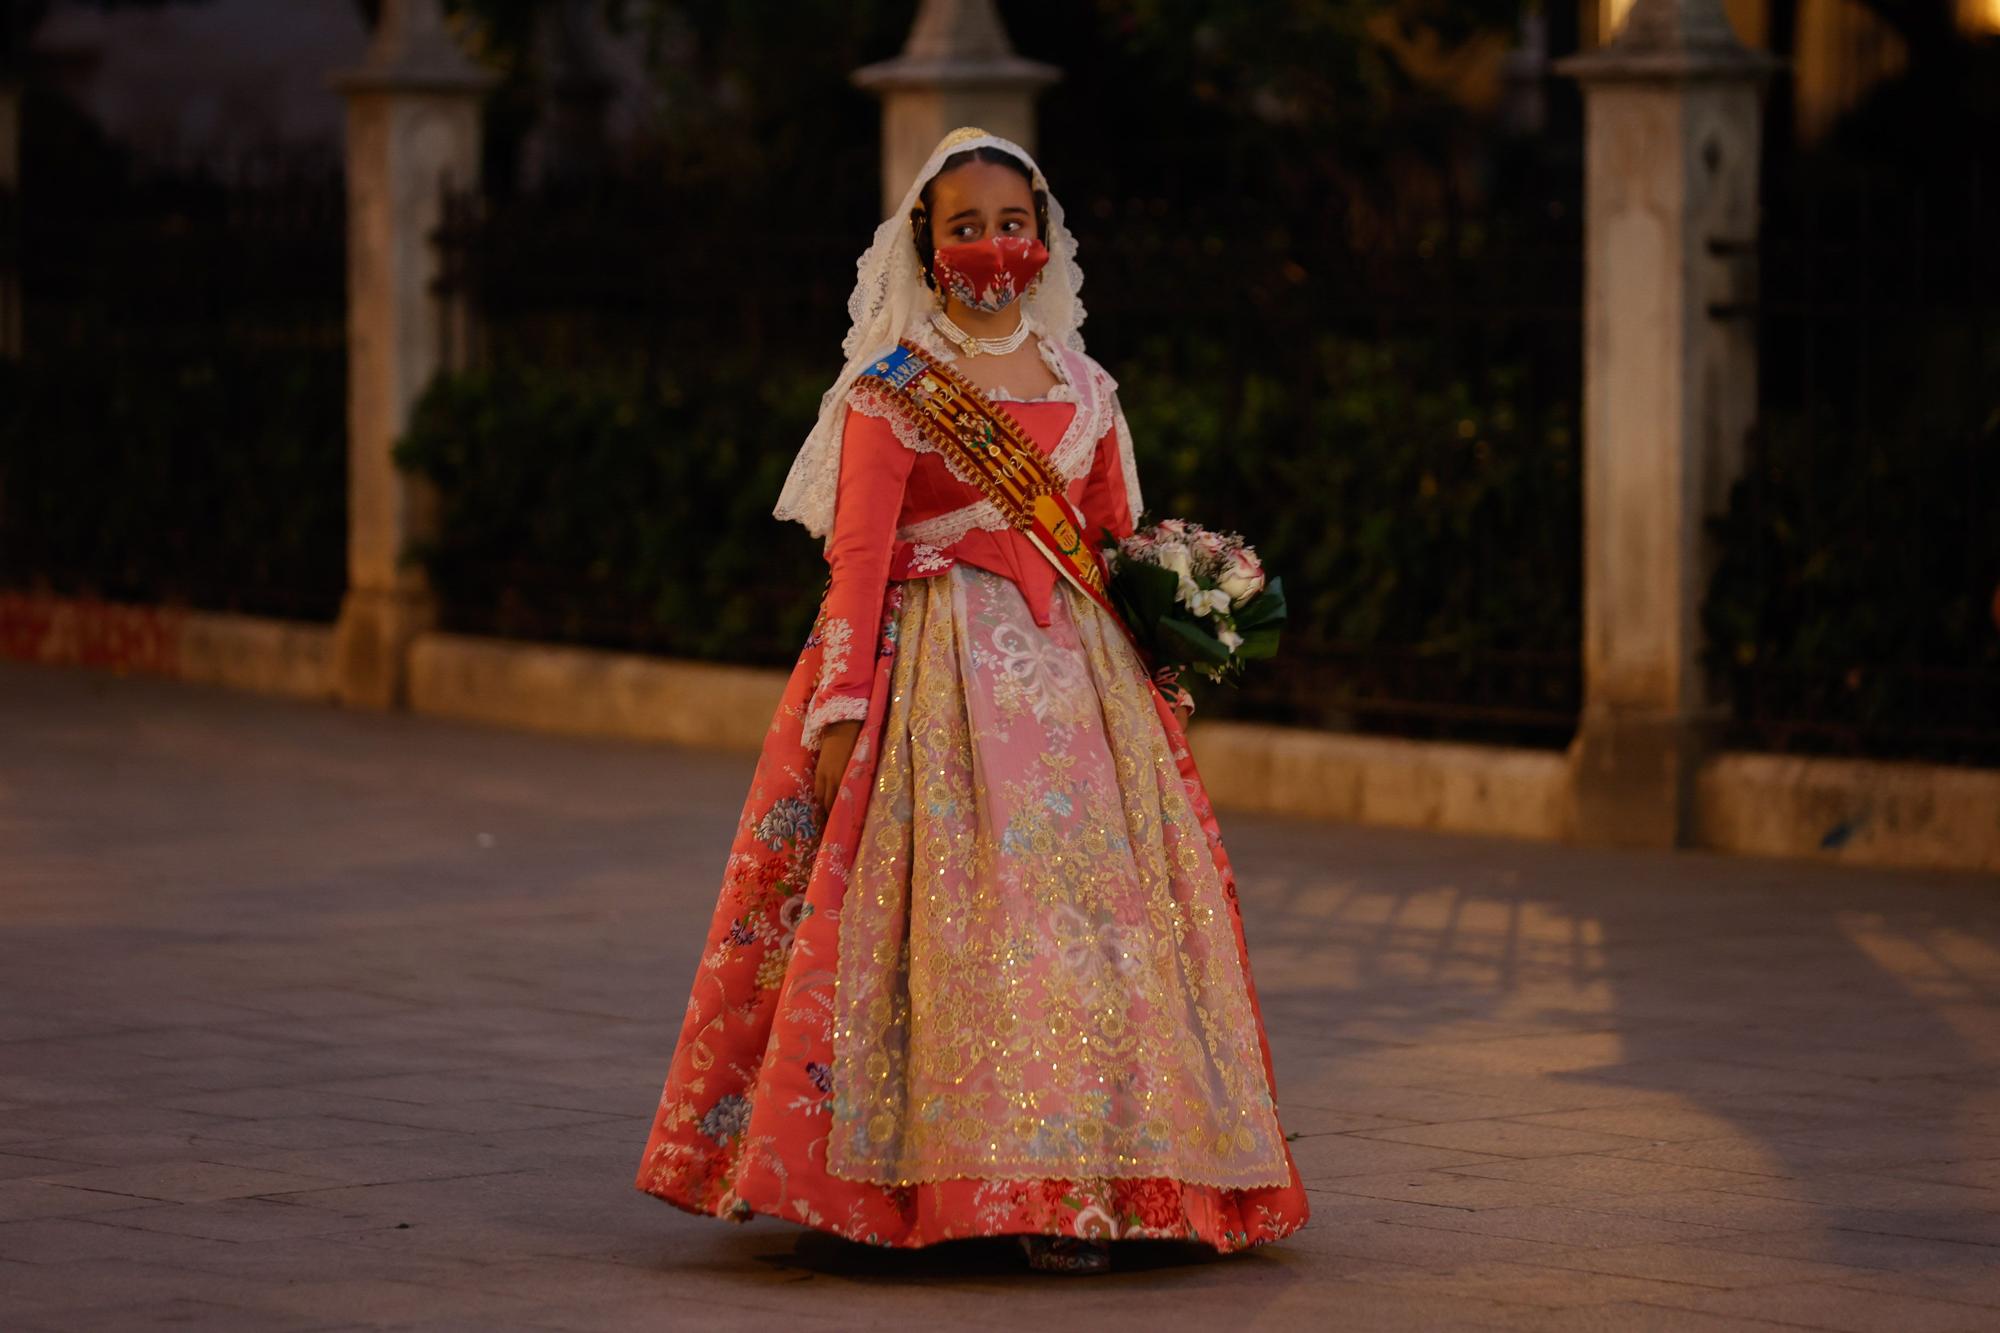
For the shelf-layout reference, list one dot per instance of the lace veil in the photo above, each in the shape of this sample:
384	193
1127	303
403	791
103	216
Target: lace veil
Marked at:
889	297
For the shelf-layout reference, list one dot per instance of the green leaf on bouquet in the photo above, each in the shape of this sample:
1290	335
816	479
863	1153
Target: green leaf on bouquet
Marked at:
1267	608
1144	593
1259	643
1184	640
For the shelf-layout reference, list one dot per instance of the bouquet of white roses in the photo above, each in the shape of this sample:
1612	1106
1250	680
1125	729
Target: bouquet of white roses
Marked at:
1195	598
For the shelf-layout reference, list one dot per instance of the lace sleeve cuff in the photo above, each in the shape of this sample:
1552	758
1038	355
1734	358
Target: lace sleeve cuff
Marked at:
831	708
836	696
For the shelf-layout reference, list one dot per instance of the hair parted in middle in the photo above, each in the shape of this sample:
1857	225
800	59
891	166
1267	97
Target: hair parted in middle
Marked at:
920	216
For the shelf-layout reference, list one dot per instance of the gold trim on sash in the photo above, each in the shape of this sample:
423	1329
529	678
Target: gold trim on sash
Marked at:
989	446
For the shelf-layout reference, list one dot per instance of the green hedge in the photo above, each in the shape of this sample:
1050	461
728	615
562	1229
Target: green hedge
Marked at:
1426	520
1402	503
621	510
1854	605
618	509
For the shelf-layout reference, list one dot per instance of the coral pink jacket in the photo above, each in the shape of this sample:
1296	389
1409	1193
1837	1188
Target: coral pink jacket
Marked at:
891	488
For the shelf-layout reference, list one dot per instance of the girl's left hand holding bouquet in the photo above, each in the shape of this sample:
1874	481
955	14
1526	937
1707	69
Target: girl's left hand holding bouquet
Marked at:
1197	599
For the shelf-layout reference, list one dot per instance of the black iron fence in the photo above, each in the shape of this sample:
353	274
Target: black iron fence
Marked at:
651	272
10	266
175	429
1382	396
1857	606
1388	413
640	356
1385	405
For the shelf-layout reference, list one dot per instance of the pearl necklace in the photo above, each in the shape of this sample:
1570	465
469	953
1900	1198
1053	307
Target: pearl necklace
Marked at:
972	346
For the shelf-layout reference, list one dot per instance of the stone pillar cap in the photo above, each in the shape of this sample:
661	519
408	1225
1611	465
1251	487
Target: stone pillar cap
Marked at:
956	44
1014	72
1671	40
414	51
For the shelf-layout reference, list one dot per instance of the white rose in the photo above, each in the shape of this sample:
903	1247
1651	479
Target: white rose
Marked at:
1243	579
1237	586
1174	556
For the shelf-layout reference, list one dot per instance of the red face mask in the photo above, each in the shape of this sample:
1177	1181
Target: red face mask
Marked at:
991	274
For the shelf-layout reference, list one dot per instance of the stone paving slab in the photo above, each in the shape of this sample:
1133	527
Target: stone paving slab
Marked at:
312	1020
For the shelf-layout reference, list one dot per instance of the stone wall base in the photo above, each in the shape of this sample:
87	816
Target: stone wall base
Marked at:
1869	811
372	644
1491	789
1864	811
282	657
589	692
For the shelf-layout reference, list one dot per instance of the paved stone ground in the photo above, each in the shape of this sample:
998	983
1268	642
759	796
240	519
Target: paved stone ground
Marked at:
313	1020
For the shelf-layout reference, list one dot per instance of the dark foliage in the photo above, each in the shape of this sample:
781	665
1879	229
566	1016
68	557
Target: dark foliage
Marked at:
617	509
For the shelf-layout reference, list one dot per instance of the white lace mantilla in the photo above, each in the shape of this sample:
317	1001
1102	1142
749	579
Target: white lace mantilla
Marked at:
890	301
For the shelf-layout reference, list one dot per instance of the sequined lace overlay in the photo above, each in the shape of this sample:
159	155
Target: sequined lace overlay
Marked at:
1037	973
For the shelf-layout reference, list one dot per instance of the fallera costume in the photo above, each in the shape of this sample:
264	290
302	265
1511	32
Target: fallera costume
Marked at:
1000	986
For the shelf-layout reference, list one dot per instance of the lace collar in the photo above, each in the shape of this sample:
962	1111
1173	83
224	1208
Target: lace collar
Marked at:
1079	381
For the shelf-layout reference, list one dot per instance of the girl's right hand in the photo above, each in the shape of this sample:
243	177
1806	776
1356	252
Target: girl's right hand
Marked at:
836	747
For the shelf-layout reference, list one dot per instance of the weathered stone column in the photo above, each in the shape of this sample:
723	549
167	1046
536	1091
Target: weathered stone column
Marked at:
1672	122
10	202
412	128
958	68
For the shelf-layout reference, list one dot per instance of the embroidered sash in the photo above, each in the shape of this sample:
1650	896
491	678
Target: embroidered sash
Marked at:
989	446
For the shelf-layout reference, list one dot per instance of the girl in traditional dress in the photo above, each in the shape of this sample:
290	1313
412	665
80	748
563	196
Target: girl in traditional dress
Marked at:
977	967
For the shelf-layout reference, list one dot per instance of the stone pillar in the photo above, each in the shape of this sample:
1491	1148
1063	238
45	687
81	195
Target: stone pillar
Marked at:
1672	124
1524	75
958	68
412	128
10	204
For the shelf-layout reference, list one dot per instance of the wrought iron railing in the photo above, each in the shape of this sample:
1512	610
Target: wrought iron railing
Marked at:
177	422
1856	608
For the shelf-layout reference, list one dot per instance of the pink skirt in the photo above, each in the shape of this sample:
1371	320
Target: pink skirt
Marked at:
1001	986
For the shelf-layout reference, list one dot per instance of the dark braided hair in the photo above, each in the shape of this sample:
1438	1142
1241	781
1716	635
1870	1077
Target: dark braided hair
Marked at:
920	216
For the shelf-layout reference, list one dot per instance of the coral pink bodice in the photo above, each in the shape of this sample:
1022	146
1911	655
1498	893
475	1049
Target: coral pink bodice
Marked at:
901	513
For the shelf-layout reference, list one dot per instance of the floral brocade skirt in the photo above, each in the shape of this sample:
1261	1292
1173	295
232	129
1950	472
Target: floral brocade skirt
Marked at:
1001	986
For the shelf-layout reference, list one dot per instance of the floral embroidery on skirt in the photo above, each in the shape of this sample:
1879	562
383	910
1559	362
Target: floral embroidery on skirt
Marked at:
1036	973
1002	989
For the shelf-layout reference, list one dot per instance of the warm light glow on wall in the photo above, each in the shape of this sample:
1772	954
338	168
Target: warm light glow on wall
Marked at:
1974	15
1611	15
